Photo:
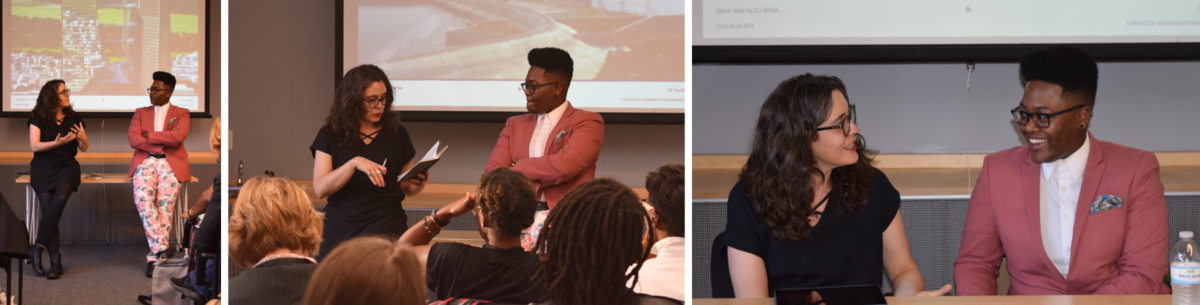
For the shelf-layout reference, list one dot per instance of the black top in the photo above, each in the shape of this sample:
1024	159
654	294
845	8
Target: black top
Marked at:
843	248
455	270
57	166
642	299
278	281
360	208
208	236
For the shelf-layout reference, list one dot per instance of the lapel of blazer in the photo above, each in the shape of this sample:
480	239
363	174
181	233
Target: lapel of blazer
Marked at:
148	118
1087	191
562	123
1031	180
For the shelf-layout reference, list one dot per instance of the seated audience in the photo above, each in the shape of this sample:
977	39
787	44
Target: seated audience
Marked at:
662	275
207	238
367	270
501	270
274	232
589	241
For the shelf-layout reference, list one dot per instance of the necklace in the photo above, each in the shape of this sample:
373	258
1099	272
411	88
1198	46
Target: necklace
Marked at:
284	255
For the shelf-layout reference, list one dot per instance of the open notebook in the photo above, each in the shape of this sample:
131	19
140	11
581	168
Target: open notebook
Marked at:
426	162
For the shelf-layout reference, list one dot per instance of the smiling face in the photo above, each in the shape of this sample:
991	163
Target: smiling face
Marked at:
833	148
543	98
64	98
161	95
1064	135
374	112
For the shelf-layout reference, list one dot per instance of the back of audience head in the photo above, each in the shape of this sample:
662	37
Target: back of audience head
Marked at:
507	202
368	270
272	214
665	186
588	242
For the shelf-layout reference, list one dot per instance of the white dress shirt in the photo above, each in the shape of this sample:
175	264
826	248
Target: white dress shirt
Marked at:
663	275
1060	184
545	126
160	116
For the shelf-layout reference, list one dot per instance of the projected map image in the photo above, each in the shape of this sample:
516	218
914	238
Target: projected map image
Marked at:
609	40
105	50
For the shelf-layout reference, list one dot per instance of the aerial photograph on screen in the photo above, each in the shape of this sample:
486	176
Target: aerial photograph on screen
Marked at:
609	40
104	47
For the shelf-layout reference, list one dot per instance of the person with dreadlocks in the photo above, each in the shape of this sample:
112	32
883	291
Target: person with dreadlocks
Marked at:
501	270
588	243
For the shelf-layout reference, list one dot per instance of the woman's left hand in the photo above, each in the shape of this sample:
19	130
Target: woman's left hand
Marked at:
79	132
420	179
934	293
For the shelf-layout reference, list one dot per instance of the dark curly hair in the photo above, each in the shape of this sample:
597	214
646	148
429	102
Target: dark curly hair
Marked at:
47	99
778	177
508	199
349	106
665	186
554	61
1072	69
588	242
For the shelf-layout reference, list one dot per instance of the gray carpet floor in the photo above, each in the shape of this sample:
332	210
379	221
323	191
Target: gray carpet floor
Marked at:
93	274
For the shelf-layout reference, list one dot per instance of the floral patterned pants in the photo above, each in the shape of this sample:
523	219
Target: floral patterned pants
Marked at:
529	235
154	191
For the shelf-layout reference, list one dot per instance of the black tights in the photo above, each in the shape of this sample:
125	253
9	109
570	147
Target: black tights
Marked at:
52	204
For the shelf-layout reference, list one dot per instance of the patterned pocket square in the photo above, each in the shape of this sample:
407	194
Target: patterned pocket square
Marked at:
1105	203
560	135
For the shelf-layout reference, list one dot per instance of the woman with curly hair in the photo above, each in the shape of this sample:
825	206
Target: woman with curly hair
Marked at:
500	271
349	154
56	135
810	205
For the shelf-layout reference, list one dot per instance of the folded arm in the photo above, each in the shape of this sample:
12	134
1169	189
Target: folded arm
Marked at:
136	140
501	157
175	136
1142	267
582	148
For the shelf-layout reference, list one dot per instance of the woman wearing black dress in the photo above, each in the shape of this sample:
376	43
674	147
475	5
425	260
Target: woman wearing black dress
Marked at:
810	205
360	133
55	132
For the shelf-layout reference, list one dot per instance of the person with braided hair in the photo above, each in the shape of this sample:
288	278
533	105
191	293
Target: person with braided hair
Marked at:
588	243
501	270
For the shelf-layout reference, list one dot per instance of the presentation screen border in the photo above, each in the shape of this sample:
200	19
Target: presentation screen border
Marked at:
129	114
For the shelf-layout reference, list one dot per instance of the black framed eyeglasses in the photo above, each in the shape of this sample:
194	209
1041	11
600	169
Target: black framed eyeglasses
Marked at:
845	124
1041	120
66	91
531	88
153	90
372	102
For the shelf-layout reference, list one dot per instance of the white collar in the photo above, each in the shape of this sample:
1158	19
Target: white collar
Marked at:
1074	163
555	114
167	105
670	241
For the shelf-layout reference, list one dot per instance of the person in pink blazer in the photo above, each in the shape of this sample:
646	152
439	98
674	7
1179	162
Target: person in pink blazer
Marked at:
555	145
160	164
1072	214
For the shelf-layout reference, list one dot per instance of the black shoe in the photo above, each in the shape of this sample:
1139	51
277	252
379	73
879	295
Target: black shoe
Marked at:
185	286
35	257
150	269
56	269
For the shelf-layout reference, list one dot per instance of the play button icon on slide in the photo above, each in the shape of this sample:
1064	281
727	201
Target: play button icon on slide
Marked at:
968	9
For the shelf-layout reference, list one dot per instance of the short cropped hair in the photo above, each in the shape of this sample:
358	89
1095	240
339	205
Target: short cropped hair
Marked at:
554	61
368	270
166	78
270	214
665	186
1070	68
508	199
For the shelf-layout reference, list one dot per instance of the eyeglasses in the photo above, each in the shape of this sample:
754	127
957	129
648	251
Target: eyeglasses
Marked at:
66	91
375	101
531	88
153	90
1041	120
845	124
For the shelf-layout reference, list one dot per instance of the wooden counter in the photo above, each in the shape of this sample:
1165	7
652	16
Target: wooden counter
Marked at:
102	158
435	195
